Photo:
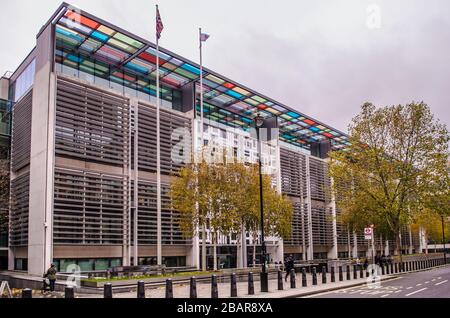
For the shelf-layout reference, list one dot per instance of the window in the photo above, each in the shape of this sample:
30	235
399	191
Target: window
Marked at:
24	81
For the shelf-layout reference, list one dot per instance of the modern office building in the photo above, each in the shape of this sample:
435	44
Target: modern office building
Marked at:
83	154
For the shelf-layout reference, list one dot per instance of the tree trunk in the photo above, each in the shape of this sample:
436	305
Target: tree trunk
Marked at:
204	247
398	248
254	252
215	250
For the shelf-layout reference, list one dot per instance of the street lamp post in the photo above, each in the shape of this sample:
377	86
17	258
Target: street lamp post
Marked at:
259	122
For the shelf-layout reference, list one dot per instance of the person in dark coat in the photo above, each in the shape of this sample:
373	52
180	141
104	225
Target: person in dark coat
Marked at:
51	275
289	264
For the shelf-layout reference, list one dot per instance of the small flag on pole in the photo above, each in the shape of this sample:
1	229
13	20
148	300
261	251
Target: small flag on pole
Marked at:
204	37
159	24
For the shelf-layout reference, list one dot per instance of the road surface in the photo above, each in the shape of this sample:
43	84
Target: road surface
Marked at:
434	283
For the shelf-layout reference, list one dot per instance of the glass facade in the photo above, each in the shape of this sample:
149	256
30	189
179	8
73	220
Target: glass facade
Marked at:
87	265
23	82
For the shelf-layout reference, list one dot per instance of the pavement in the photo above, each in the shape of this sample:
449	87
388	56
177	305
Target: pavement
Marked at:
433	283
204	290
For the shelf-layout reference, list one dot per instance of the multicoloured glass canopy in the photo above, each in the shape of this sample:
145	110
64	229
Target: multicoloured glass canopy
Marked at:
91	44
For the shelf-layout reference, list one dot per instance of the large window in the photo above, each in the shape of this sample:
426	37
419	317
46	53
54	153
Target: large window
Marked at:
24	81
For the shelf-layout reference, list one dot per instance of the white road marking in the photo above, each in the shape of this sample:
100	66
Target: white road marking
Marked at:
427	282
386	295
444	281
409	287
433	279
398	291
417	291
418	284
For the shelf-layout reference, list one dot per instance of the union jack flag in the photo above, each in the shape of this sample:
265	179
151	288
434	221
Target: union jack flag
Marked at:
159	24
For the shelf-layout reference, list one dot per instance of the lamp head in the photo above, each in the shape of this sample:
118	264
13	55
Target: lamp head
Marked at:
259	121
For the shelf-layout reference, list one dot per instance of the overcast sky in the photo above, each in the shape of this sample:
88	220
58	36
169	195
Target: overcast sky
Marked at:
323	58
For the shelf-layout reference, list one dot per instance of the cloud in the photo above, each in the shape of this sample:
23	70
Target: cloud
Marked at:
317	57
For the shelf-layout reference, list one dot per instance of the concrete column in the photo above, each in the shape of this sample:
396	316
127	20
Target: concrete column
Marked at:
333	252
386	248
4	88
355	246
349	243
310	248
422	241
40	247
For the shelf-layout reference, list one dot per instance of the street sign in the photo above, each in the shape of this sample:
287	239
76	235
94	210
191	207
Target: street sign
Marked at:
368	233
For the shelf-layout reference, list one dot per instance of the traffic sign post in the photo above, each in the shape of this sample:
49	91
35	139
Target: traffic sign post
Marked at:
368	235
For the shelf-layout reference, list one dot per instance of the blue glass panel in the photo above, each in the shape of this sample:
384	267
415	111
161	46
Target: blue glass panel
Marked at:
70	35
74	58
315	129
191	69
234	94
137	68
100	36
292	114
246	120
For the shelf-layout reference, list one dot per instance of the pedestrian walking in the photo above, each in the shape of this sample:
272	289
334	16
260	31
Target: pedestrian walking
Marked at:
289	264
51	276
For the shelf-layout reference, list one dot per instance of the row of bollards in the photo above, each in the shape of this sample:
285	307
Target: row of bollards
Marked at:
386	269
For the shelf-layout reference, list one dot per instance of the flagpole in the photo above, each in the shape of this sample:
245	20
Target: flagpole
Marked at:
201	86
158	160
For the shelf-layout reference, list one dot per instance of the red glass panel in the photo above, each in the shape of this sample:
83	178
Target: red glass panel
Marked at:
151	58
83	20
262	106
229	85
309	122
328	135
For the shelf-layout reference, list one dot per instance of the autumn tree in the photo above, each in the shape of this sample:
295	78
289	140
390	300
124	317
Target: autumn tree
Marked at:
223	197
396	155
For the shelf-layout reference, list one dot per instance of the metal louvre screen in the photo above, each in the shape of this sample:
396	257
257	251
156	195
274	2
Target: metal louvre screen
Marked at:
322	227
19	210
299	225
341	229
293	184
172	127
293	173
320	182
171	234
89	208
91	125
21	133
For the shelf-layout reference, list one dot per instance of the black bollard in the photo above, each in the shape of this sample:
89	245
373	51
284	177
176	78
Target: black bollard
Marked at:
280	279
355	273
141	289
341	277
169	288
304	281
348	272
333	279
214	288
233	286
69	292
193	288
27	293
396	268
293	285
107	291
382	269
251	284
387	269
361	271
324	275
392	268
314	276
